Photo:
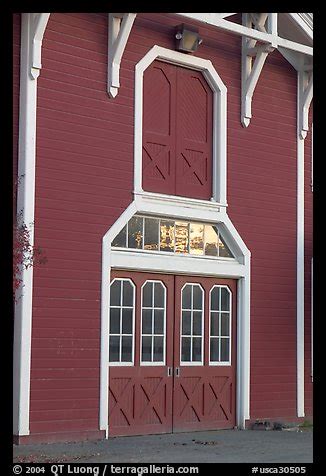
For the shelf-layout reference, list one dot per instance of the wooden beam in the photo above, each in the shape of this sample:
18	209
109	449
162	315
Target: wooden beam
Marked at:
119	25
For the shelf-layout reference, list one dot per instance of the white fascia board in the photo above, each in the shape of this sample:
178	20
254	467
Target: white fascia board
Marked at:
306	29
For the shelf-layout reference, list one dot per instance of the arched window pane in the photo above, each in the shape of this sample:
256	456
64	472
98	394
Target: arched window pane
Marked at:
192	316
121	321
153	323
220	325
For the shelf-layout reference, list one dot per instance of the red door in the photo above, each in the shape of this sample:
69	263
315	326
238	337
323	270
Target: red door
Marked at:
172	353
204	354
177	131
140	387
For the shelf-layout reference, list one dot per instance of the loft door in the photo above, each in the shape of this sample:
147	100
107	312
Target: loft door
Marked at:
177	132
172	353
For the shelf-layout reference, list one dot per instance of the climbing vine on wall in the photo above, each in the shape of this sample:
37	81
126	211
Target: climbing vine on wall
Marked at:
25	255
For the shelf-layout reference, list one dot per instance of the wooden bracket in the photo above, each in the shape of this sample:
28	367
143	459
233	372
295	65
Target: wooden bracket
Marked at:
254	57
305	94
36	33
119	25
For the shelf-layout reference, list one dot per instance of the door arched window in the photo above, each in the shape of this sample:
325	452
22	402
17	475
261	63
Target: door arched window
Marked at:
177	132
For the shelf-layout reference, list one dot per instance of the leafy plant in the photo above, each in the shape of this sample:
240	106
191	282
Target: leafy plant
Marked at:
25	255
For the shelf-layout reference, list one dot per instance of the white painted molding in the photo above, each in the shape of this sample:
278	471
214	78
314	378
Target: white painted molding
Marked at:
105	303
119	25
179	264
219	115
183	265
37	29
255	34
300	259
32	30
251	68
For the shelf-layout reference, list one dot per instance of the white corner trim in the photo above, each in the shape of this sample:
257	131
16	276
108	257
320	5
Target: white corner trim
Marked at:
119	25
219	114
32	30
149	262
300	260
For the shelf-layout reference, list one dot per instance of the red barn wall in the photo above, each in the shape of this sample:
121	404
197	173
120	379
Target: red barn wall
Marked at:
84	181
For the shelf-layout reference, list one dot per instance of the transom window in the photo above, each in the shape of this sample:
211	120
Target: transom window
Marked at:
172	236
121	322
220	325
153	323
192	324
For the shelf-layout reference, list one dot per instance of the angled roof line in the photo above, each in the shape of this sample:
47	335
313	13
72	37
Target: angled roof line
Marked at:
305	21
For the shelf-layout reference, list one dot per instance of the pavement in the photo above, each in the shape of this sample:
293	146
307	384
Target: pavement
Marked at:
223	446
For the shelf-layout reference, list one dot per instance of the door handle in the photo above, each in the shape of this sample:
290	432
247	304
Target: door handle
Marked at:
177	371
169	371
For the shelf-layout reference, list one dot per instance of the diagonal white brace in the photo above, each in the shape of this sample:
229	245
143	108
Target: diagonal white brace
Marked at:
39	22
119	25
305	95
251	68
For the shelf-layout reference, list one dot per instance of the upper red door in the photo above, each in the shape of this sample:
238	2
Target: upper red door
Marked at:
177	132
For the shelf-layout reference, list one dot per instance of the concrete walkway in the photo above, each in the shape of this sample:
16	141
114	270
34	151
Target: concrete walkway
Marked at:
223	446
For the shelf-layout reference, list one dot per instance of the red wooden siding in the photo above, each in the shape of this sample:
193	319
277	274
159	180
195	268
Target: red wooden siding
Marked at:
84	181
177	132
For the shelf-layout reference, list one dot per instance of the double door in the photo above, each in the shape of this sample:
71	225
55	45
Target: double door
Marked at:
172	351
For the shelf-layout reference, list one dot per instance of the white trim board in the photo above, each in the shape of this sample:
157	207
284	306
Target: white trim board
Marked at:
32	30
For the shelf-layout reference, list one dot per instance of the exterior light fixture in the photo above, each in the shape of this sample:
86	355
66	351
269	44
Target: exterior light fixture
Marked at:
187	39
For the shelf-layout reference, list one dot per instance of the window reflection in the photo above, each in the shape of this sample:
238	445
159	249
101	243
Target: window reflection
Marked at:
181	237
211	240
120	239
223	249
135	232
151	234
167	236
154	234
196	241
